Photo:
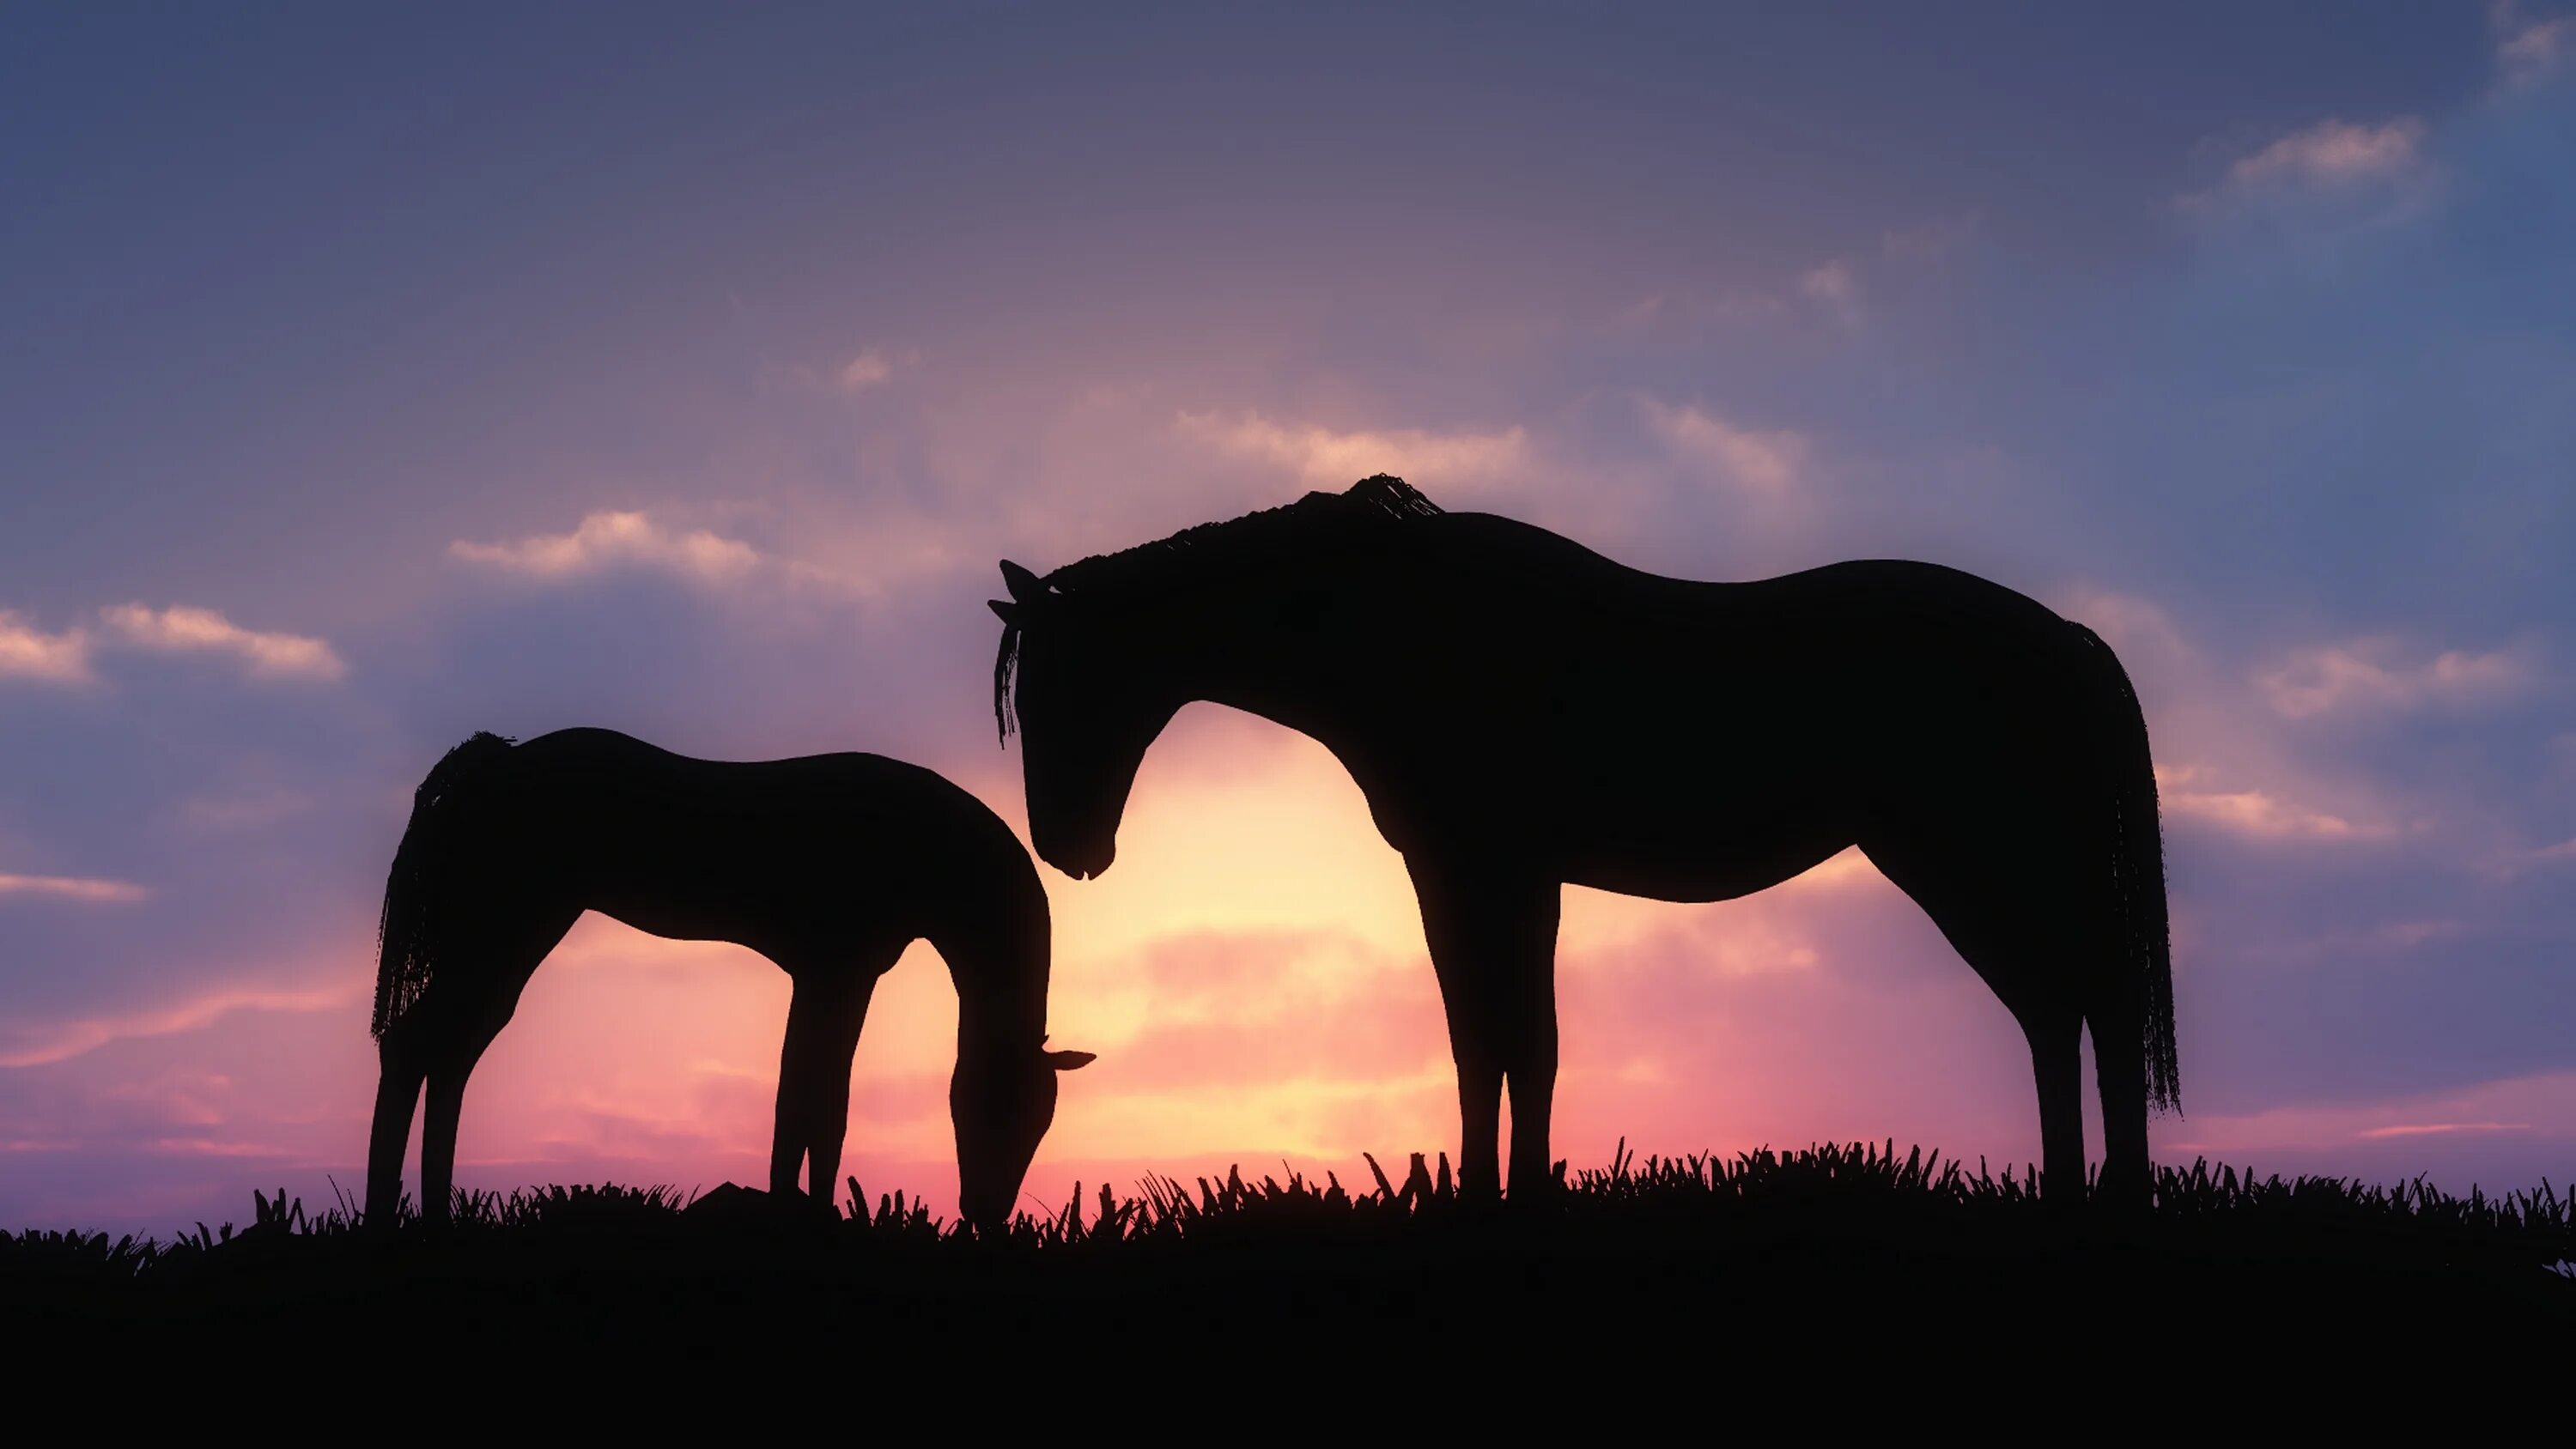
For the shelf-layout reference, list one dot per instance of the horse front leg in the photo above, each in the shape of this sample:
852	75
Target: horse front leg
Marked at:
824	1020
1526	952
397	1096
1493	945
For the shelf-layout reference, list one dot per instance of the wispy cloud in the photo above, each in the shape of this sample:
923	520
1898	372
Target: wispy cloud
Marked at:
1768	463
27	652
88	890
2435	1129
1327	458
2530	51
866	370
609	540
1834	284
2330	158
2132	626
180	629
2251	812
2333	151
65	1040
2537	1104
2376	674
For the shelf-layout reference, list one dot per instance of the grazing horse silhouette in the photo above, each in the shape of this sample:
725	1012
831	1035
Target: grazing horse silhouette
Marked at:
1522	713
829	865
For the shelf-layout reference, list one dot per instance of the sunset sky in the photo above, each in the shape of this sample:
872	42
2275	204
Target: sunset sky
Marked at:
371	377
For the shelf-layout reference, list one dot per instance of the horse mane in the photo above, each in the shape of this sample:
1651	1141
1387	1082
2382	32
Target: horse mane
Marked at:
407	933
1374	501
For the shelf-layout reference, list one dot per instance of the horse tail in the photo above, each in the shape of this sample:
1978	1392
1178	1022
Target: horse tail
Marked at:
406	934
2138	868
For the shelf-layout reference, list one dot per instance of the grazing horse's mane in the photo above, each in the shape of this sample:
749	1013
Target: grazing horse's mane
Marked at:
1374	501
406	946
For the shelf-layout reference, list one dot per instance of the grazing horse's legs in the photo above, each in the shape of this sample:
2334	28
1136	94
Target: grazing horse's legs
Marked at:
446	1104
2057	1062
1493	946
824	1018
480	992
398	1084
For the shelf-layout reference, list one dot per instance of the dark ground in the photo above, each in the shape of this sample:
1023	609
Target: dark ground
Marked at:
1802	1289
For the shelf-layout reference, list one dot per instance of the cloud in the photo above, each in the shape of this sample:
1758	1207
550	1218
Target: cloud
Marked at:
1325	458
1768	463
27	652
246	810
2331	159
865	371
2252	812
607	540
86	889
2134	627
180	629
2536	1104
2530	51
1833	284
2428	1129
64	1040
2371	673
2333	152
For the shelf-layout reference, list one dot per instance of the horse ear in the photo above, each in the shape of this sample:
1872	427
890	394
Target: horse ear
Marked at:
1007	613
1026	587
1068	1061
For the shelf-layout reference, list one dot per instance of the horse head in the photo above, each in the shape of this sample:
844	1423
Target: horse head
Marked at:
1088	708
1002	1101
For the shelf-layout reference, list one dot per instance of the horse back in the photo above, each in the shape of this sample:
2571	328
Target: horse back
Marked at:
766	852
1588	706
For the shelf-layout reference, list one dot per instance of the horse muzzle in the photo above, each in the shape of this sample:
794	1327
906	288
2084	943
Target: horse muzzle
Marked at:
1085	863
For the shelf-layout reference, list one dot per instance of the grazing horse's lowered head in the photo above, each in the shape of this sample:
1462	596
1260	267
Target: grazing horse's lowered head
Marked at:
1002	1101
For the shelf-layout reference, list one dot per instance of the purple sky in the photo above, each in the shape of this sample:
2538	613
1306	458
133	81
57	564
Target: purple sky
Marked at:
372	378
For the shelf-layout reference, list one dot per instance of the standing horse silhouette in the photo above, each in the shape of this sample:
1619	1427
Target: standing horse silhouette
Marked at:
829	865
1522	713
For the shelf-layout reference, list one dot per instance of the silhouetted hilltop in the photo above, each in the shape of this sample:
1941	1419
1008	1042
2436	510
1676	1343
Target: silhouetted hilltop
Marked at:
1836	1261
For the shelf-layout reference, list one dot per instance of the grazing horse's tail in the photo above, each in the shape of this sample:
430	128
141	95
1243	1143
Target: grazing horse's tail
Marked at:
406	944
2138	865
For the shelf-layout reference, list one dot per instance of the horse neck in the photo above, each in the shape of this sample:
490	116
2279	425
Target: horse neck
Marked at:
1239	657
998	962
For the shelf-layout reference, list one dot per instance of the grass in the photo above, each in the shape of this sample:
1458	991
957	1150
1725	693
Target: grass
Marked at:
1766	1262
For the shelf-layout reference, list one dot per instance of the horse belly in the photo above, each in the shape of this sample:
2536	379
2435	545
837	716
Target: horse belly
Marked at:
1716	866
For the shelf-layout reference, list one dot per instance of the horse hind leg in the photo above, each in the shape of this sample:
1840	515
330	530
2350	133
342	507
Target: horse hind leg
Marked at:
2056	1040
1988	919
2118	1030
